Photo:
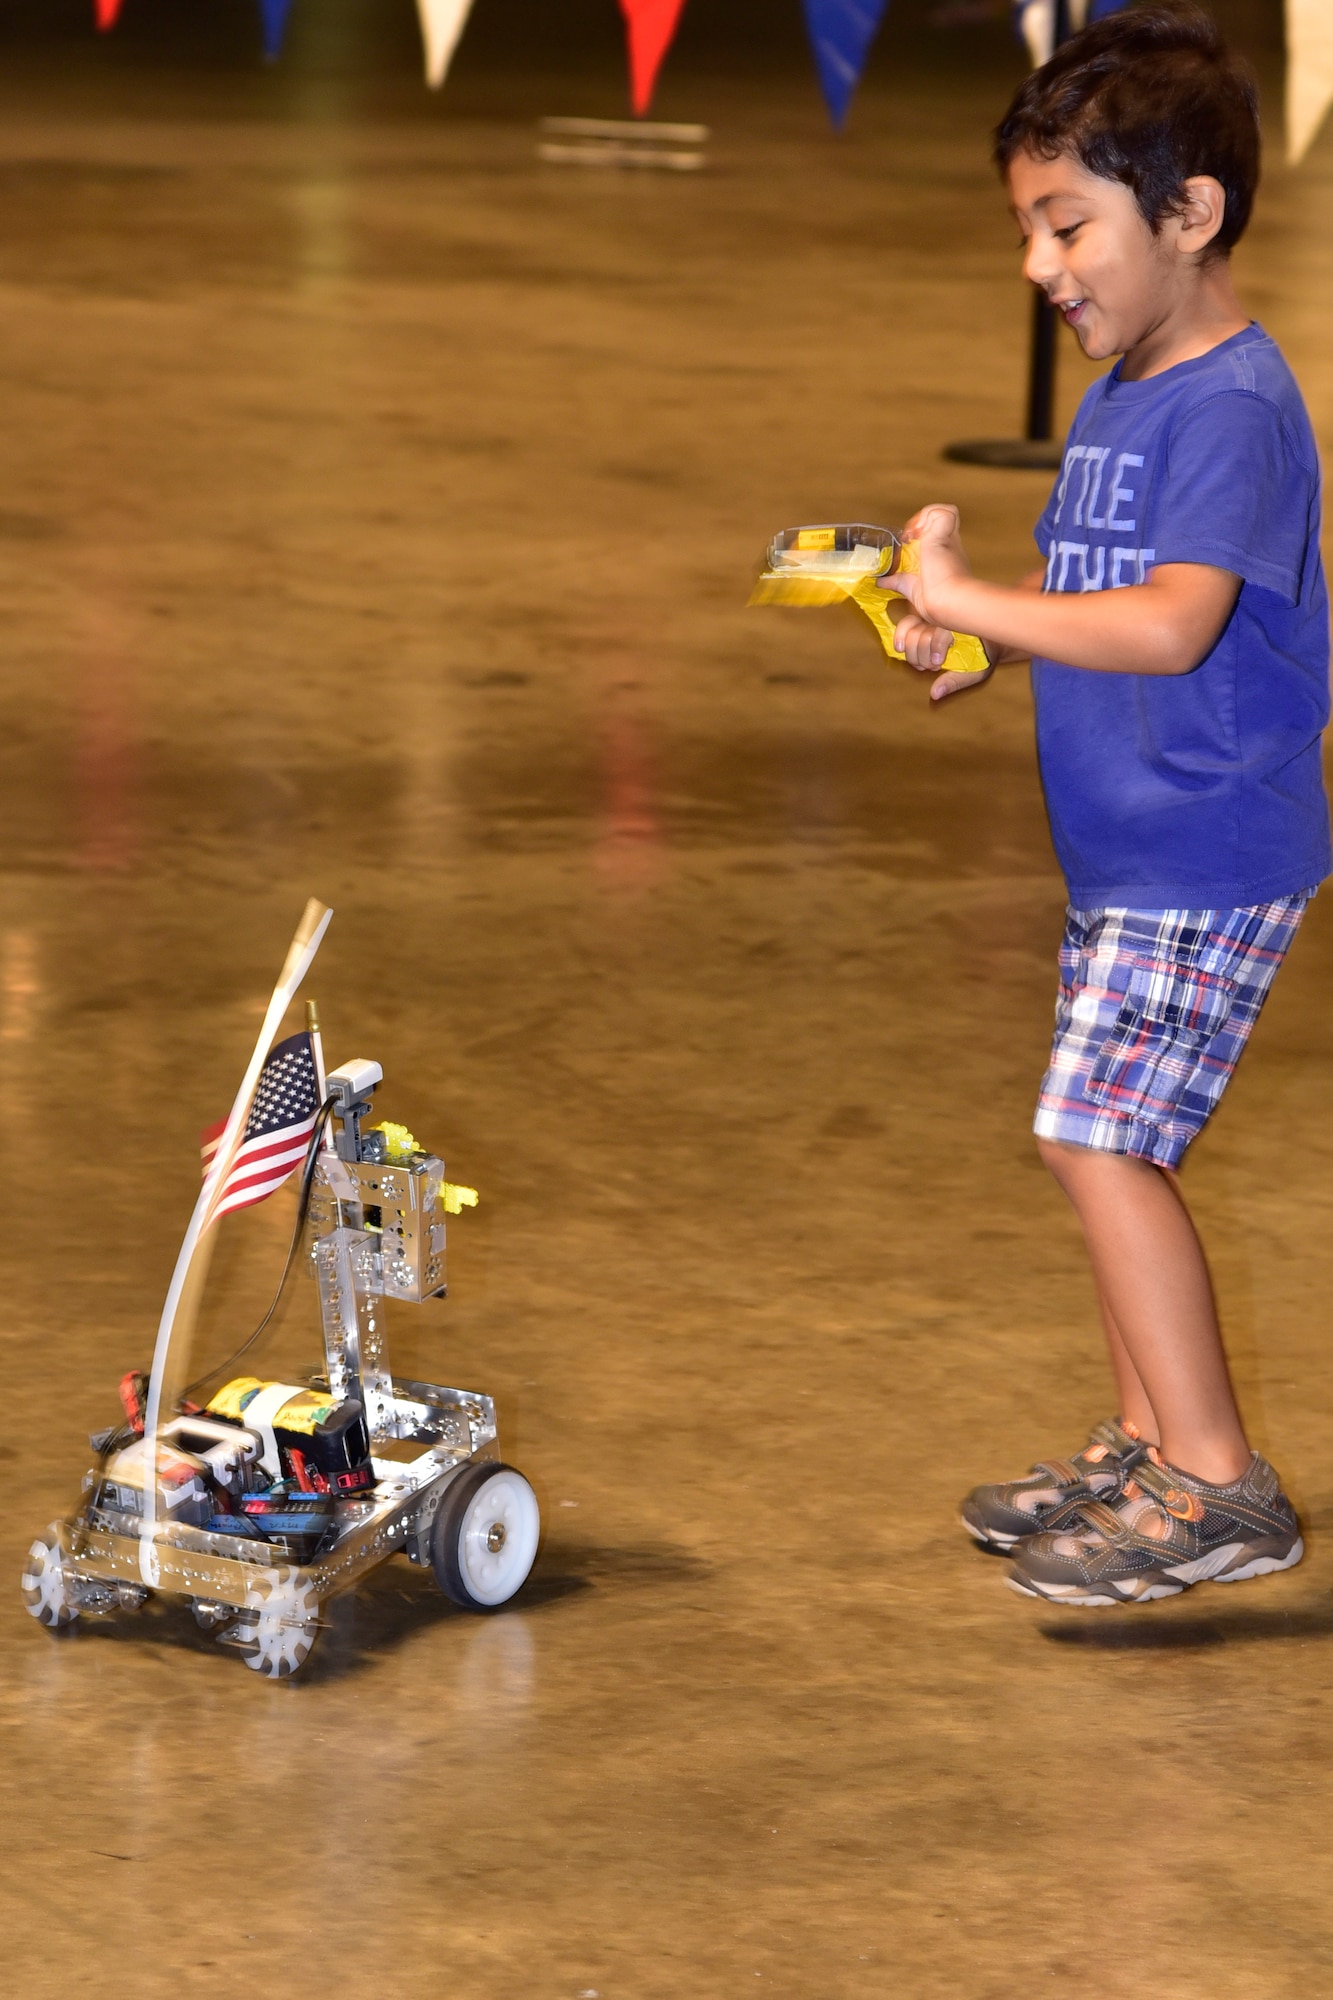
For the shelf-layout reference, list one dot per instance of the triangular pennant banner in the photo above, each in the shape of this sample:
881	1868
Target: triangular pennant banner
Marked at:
106	12
1309	72
442	22
649	28
841	32
274	15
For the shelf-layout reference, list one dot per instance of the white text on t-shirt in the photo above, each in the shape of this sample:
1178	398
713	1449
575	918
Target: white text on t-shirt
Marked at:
1103	504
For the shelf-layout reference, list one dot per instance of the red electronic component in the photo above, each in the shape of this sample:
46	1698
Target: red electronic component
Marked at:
299	1473
134	1398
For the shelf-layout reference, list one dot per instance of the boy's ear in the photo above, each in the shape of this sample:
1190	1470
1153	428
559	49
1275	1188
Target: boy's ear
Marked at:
1201	213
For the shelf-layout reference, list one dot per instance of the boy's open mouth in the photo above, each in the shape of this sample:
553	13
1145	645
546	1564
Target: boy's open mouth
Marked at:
1071	308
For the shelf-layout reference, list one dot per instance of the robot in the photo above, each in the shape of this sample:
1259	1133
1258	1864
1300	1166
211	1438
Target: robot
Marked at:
258	1501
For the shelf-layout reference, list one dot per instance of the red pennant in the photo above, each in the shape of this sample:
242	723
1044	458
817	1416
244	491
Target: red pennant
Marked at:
107	10
649	25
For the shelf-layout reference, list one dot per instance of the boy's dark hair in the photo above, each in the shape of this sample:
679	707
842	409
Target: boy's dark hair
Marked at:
1148	97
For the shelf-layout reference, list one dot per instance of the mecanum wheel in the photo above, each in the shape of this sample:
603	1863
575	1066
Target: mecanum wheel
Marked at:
279	1625
46	1582
485	1537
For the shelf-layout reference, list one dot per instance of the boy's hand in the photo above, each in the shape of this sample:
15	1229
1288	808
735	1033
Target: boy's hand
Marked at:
925	645
939	549
940	561
922	644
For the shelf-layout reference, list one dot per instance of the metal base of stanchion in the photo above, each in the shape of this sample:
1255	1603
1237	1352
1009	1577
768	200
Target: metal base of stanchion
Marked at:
1023	454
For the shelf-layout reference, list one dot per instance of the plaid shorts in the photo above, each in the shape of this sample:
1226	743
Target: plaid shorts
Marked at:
1155	1007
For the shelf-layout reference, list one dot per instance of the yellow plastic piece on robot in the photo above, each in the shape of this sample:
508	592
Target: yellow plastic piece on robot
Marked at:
399	1145
811	585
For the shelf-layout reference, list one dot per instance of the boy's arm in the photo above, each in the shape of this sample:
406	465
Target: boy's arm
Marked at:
1164	626
1001	655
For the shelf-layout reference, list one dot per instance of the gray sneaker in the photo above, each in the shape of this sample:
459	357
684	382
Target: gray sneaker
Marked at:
1051	1494
1166	1531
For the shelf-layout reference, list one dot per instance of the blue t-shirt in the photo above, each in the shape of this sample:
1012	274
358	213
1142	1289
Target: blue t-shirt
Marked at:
1202	790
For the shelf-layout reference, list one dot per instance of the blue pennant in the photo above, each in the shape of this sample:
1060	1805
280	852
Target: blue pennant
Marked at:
841	32
274	13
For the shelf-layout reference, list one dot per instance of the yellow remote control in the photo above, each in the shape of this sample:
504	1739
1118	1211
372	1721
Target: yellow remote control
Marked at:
833	562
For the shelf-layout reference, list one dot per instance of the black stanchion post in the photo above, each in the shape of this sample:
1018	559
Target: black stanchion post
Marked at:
1041	373
1039	450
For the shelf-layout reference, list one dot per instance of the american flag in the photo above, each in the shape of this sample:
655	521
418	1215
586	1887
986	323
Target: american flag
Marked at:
282	1117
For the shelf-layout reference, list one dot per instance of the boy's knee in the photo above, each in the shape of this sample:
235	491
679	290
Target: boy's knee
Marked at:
1054	1154
1063	1162
1071	1163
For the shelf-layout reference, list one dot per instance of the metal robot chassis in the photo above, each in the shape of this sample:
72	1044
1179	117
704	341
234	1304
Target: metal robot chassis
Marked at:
376	1230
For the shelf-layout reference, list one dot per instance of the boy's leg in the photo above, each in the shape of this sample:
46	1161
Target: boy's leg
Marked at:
1134	1405
1158	1301
1155	1008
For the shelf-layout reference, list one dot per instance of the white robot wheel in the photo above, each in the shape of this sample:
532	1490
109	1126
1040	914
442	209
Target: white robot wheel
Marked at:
47	1586
485	1536
280	1624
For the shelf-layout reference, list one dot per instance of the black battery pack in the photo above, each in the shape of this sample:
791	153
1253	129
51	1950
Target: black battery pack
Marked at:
324	1446
337	1448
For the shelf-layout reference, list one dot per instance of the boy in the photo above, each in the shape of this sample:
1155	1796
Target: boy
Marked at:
1180	660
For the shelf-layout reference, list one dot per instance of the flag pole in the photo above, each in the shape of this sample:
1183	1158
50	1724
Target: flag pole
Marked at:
181	1304
317	1050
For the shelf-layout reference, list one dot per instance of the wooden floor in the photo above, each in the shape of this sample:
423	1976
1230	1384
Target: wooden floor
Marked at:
377	512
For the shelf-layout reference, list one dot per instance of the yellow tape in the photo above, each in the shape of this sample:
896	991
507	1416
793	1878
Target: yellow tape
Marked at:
228	1400
966	655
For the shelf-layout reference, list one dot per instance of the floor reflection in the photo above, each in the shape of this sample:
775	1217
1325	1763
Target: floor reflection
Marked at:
106	763
629	853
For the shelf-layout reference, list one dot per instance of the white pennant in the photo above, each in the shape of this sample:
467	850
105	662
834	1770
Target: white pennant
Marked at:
442	22
1036	20
1309	72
